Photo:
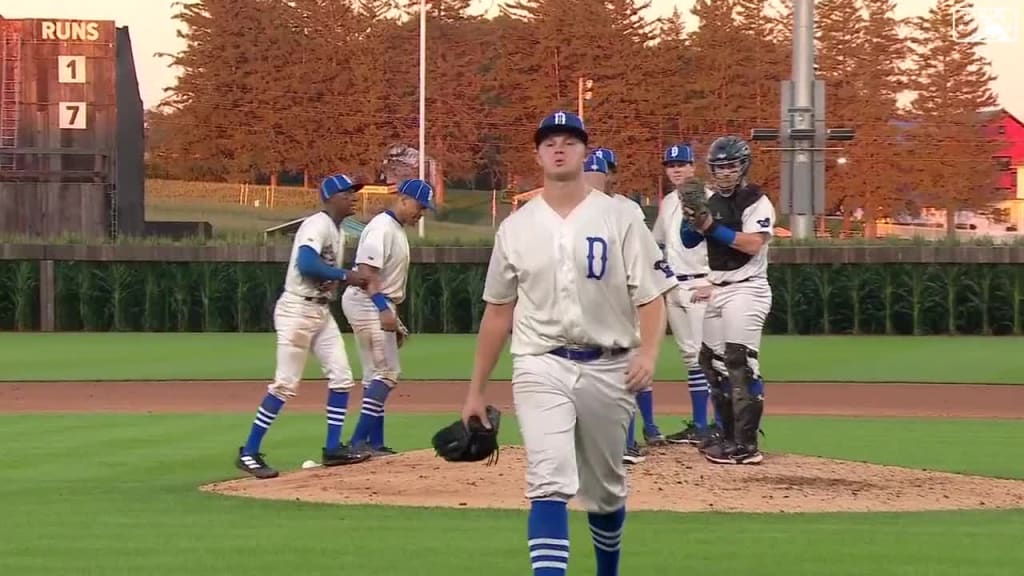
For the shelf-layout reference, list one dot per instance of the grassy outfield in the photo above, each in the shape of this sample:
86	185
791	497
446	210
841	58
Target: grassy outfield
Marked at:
163	356
116	494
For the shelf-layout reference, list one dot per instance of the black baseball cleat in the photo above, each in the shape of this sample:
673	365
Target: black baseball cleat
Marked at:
726	452
344	455
692	435
254	464
375	451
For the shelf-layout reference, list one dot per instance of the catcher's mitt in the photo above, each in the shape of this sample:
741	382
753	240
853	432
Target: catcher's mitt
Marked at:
460	443
693	200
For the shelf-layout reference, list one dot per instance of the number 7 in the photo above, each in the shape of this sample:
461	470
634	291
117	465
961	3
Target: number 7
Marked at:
74	108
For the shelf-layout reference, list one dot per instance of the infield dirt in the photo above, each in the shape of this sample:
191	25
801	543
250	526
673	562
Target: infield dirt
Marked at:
675	478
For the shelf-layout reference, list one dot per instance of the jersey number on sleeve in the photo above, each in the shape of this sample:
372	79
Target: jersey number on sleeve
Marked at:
596	244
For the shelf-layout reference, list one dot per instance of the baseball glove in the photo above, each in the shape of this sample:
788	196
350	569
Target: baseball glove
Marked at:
458	442
693	200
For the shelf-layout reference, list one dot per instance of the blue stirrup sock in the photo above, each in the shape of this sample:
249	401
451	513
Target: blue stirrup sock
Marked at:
372	412
547	536
265	416
645	402
699	394
606	531
337	406
728	387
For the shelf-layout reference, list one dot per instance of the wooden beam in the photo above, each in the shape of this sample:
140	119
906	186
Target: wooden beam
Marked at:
47	296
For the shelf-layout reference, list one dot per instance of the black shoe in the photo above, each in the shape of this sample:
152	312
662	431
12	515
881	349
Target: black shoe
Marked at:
254	464
747	455
344	455
375	451
720	451
691	435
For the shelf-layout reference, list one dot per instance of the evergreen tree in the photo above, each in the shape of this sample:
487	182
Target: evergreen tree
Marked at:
952	152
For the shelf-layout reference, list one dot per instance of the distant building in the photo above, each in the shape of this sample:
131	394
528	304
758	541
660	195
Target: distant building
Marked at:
1010	163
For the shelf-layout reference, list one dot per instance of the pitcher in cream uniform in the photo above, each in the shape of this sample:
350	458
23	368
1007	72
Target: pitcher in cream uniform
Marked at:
578	282
383	254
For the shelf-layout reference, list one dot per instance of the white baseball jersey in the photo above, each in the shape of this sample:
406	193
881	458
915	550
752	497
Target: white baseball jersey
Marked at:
578	280
758	217
384	245
667	229
324	236
630	204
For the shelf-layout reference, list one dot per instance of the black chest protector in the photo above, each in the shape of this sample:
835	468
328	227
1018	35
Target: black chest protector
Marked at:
728	211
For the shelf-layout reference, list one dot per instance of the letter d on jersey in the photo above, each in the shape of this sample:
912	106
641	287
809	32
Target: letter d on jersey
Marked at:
593	242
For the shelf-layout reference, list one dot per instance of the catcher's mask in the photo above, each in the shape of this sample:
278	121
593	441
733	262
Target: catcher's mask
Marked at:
728	163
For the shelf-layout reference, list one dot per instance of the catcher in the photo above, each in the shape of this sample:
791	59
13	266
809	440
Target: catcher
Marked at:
372	312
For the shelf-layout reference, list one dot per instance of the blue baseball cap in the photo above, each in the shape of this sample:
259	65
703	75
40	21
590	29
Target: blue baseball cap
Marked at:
595	163
336	185
608	156
678	153
560	122
420	191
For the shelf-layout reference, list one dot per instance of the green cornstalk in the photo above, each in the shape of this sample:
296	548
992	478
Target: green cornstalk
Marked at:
24	276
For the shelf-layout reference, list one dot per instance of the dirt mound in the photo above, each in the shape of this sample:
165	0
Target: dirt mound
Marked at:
675	479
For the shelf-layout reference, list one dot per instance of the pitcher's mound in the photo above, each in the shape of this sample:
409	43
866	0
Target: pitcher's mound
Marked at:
676	479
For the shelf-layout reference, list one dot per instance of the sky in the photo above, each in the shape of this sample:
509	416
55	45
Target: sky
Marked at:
153	30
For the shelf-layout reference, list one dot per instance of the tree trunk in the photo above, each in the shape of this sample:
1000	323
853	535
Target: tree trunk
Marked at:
950	222
305	178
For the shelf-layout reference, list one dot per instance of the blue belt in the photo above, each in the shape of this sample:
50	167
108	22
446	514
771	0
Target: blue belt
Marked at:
587	354
685	277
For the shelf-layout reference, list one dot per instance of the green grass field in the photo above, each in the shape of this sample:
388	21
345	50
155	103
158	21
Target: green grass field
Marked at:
217	356
113	494
116	494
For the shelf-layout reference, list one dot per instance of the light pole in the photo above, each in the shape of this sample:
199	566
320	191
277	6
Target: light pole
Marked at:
423	102
803	133
583	92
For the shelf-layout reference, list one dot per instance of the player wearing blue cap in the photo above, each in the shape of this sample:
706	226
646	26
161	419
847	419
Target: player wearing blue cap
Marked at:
583	281
303	321
685	312
383	253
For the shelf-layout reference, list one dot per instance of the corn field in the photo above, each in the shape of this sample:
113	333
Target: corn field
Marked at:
209	297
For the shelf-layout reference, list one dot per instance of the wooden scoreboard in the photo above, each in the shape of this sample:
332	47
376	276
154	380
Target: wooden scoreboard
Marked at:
71	130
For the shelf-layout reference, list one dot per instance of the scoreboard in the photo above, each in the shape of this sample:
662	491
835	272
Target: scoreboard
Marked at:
71	129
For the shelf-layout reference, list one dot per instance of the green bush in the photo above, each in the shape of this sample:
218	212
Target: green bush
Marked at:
808	299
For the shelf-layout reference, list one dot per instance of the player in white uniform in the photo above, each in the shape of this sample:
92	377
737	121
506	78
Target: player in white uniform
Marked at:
685	316
737	231
303	321
578	282
596	173
383	253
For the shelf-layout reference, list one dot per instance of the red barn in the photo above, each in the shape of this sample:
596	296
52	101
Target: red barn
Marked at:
1010	163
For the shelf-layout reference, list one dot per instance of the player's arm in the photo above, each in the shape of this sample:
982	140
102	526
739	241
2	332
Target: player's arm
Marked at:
308	260
758	225
500	290
648	277
370	258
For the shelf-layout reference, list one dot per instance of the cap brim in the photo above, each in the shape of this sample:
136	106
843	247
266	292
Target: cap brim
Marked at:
543	133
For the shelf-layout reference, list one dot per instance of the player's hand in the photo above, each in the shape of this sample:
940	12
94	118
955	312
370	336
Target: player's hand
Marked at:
475	406
389	321
640	373
702	222
701	294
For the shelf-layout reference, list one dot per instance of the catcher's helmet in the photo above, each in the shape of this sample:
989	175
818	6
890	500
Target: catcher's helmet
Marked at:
728	162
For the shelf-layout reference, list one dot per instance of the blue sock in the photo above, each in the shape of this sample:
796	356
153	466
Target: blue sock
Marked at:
757	387
645	401
547	533
265	416
337	406
606	531
630	433
373	409
699	394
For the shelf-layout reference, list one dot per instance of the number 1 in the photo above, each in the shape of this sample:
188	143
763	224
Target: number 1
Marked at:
71	69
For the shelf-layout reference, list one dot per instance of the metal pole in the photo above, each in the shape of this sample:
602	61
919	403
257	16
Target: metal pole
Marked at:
802	218
579	97
423	100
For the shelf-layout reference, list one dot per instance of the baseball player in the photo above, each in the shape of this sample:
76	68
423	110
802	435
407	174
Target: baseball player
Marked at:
736	229
578	283
684	316
383	253
596	172
303	322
